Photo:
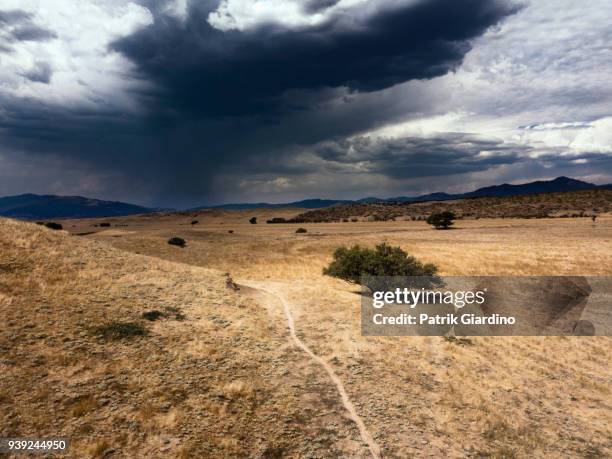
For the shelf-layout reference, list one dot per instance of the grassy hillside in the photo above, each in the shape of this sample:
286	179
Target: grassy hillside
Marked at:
211	377
570	204
227	380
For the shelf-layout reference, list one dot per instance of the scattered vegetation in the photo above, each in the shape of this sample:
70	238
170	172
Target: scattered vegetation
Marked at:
120	330
441	220
546	205
351	264
178	241
253	220
301	230
231	231
194	222
277	220
53	225
105	225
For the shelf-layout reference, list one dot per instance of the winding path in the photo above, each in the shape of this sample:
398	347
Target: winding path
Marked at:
346	401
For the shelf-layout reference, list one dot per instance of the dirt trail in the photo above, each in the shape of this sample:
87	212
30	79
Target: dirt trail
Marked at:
346	401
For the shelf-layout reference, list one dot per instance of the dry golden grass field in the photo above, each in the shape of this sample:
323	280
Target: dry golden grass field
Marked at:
220	375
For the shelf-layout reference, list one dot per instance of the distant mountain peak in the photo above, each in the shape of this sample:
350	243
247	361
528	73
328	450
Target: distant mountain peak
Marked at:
564	179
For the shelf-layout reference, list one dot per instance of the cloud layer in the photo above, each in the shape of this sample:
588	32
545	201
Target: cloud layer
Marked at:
184	103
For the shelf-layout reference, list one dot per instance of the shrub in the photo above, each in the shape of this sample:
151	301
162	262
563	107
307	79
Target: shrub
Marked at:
152	315
441	220
253	221
352	263
120	330
301	230
277	220
104	225
178	241
194	222
231	231
54	226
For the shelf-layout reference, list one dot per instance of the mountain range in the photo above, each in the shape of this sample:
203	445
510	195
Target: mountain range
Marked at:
560	184
32	206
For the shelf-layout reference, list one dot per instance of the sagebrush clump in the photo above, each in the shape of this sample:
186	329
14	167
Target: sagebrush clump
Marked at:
153	315
178	241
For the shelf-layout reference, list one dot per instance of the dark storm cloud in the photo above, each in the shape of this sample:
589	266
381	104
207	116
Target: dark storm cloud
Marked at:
314	6
412	157
206	72
236	103
18	25
40	73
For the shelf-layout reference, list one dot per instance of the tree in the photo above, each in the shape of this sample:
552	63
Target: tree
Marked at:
441	220
277	220
253	221
351	264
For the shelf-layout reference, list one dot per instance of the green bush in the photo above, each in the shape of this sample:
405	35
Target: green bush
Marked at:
441	220
54	226
178	241
352	263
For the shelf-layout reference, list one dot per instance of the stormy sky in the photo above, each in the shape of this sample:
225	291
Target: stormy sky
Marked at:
194	102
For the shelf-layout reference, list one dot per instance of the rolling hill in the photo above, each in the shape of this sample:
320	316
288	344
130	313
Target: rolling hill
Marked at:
139	357
33	206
